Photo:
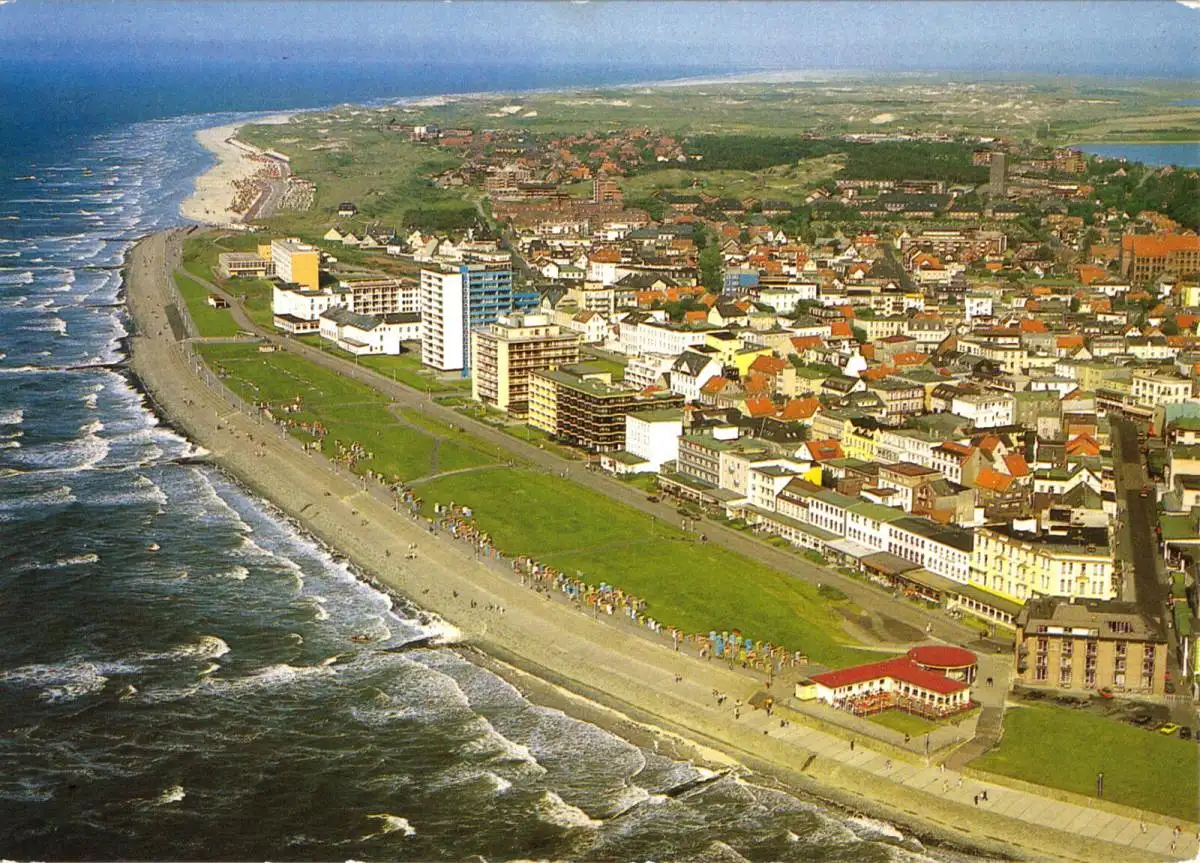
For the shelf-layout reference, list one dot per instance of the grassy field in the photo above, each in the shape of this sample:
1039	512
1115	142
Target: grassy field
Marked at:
352	412
828	104
783	182
696	586
405	368
1065	749
905	723
209	321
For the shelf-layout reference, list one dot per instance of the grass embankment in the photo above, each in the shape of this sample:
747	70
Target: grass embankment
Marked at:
405	368
905	723
209	321
352	412
693	585
789	183
1066	749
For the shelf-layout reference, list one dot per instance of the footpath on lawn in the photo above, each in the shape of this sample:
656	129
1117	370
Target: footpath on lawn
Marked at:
620	666
692	585
549	497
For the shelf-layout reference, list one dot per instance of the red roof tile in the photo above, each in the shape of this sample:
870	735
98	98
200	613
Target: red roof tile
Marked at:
901	668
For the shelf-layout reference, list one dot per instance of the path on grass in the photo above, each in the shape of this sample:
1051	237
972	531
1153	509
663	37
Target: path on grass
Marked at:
867	596
624	665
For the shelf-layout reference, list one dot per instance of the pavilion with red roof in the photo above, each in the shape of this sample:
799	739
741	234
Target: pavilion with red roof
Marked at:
900	683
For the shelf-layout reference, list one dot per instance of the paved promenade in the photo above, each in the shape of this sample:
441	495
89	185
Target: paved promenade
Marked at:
615	664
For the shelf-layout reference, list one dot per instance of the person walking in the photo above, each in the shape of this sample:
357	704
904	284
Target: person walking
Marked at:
851	745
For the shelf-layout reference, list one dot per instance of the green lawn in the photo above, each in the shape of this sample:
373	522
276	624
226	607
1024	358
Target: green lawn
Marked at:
781	182
1065	749
349	410
698	587
905	723
405	368
209	321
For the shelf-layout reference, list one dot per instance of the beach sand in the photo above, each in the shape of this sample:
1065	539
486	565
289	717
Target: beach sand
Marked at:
602	673
209	203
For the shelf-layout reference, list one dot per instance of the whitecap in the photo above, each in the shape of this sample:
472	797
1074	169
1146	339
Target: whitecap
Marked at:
552	809
205	647
392	824
174	794
12	416
237	573
62	682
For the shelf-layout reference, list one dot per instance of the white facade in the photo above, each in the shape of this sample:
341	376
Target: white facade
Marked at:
441	301
1154	390
652	337
654	436
306	305
646	370
985	410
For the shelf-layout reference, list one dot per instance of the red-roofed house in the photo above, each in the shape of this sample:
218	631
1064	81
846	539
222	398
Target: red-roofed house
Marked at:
822	450
877	686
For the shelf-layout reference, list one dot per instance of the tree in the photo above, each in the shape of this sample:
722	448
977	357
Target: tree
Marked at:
710	269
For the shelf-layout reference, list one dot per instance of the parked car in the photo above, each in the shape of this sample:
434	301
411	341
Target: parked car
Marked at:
653	498
1185	733
1168	728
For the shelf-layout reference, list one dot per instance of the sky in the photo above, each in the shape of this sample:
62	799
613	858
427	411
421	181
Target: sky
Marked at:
1138	37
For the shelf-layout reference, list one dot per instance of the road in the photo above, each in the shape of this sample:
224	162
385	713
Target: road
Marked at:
1148	583
267	202
906	620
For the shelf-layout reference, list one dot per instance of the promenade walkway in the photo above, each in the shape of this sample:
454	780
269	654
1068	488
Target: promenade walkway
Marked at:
606	658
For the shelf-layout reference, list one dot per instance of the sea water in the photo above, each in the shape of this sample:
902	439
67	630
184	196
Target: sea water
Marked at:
179	677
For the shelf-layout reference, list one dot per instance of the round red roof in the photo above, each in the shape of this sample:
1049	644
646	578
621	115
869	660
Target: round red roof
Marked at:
942	656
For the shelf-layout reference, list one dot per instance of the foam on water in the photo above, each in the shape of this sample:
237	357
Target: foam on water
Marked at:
553	810
393	824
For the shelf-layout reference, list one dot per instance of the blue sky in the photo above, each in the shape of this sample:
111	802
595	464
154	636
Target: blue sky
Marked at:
1143	37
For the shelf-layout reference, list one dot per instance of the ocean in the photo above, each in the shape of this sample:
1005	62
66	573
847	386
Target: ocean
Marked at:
178	678
1182	154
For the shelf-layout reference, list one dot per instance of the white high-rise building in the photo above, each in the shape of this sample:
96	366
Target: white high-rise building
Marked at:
442	319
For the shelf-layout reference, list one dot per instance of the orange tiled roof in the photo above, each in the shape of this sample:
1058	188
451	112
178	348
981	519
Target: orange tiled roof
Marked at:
1068	342
760	407
1083	444
768	365
1186	322
800	409
993	480
824	450
910	358
804	343
714	385
695	316
757	383
1161	245
1016	464
1032	325
840	329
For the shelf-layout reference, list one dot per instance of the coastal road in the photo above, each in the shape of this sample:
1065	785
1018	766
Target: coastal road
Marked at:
901	621
617	671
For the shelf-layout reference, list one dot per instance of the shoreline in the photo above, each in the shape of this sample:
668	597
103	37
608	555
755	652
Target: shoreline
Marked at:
213	191
605	671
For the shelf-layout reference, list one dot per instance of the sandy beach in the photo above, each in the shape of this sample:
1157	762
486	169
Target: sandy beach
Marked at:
606	674
210	201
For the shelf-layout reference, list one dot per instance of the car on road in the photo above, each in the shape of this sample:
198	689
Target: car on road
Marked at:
1185	733
653	498
1168	728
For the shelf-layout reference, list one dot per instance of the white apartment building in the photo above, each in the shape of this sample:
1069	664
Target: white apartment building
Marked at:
985	410
654	436
297	310
1019	561
647	370
1151	390
383	295
655	337
442	325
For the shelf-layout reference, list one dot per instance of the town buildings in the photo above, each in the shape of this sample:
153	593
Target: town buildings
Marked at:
453	301
505	352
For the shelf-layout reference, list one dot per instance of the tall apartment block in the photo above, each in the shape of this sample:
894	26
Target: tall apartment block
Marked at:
504	353
456	300
997	176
